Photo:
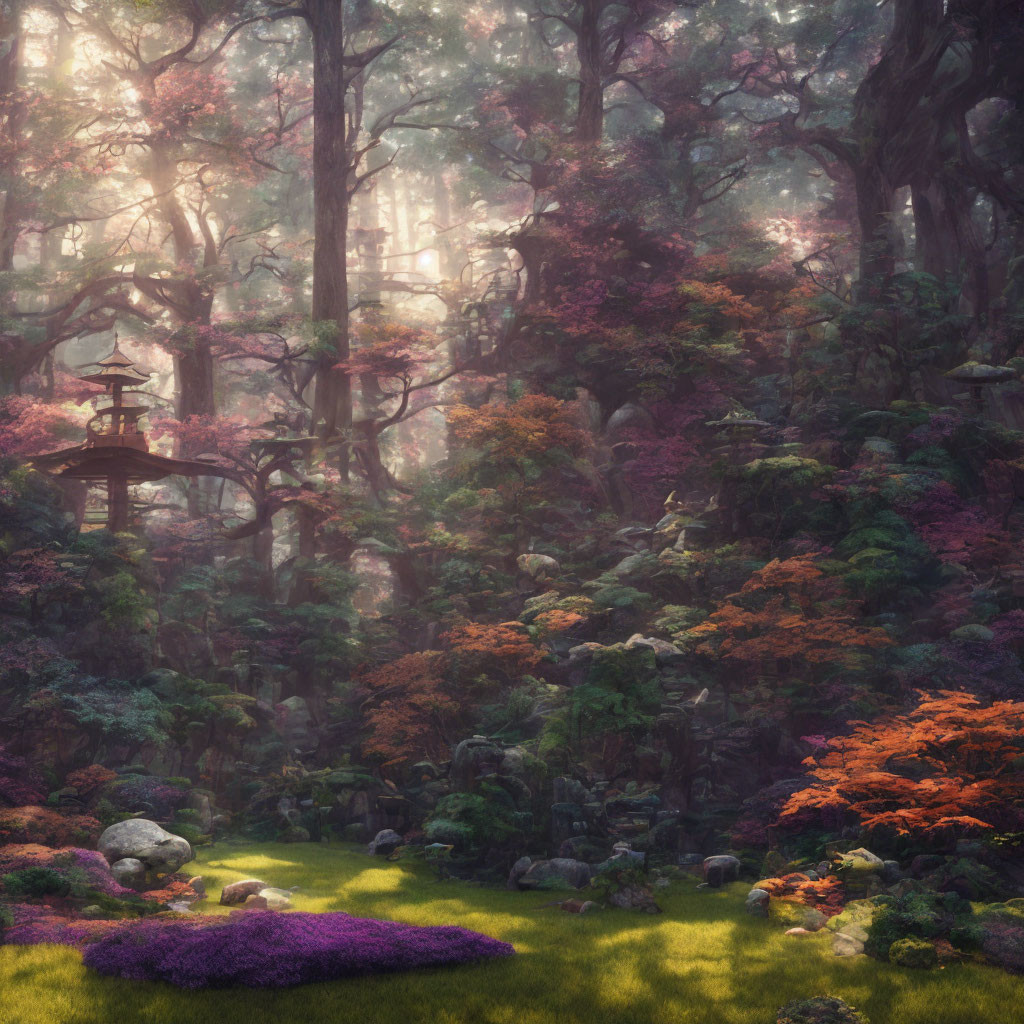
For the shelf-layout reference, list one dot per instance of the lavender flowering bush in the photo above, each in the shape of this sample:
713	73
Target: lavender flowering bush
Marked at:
84	869
263	949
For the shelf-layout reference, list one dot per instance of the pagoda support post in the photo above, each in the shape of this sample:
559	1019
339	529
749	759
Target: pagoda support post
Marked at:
117	504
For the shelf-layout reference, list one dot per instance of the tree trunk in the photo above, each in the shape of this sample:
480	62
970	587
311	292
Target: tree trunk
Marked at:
332	403
12	119
590	106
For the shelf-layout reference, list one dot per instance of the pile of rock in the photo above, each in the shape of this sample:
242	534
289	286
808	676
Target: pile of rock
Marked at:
138	850
254	894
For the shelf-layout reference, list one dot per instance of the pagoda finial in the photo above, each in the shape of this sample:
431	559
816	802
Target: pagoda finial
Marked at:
117	357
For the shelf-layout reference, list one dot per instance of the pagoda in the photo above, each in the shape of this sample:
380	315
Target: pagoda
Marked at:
115	450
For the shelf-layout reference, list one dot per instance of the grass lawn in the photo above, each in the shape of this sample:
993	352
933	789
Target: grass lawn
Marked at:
704	961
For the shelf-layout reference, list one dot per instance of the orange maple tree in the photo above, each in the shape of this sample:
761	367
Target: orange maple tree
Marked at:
409	710
503	647
528	428
949	766
789	609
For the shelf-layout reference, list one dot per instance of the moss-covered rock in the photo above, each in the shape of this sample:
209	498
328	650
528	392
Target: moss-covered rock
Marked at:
918	953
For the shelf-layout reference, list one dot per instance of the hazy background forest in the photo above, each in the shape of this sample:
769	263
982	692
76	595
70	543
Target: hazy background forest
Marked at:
581	423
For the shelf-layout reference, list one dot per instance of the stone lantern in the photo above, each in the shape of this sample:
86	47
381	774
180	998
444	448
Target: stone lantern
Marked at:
978	377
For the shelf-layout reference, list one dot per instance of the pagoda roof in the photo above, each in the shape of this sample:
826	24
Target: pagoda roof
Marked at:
116	358
86	462
125	376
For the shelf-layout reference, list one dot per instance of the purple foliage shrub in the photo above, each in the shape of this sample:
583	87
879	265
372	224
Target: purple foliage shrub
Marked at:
18	783
264	949
148	792
84	869
35	925
1004	944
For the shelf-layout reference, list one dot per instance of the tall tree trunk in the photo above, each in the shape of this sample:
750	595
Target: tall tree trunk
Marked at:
880	238
590	106
12	120
193	304
332	402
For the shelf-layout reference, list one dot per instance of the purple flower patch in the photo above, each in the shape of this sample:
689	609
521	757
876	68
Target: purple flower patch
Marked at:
264	949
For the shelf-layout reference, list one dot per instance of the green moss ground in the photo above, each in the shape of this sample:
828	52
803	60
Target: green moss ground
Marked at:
704	961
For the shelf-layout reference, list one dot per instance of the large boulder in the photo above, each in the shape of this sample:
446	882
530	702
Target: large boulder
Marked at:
539	567
720	869
861	872
556	873
474	757
519	869
665	653
145	841
384	843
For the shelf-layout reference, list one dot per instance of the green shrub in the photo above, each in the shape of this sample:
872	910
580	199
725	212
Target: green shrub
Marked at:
191	833
913	953
33	882
967	937
915	915
819	1010
472	821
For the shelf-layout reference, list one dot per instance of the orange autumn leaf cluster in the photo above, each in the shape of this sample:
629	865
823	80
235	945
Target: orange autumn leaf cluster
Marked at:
950	765
528	428
825	894
505	646
410	707
558	621
47	827
788	609
87	779
413	705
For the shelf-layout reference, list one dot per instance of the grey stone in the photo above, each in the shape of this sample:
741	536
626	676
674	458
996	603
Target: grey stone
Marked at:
864	860
513	761
665	653
812	919
239	892
276	899
519	869
293	722
475	756
758	901
384	843
200	803
129	872
846	945
891	871
539	567
146	841
294	834
581	652
554	872
634	897
720	869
